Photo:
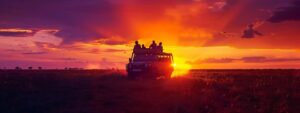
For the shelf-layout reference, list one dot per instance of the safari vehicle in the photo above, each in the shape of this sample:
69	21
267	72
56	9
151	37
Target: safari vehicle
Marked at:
147	64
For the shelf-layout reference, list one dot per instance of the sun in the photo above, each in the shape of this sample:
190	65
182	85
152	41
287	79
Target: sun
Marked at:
174	65
181	67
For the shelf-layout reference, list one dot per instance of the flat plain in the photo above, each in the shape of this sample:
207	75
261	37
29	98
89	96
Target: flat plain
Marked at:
106	91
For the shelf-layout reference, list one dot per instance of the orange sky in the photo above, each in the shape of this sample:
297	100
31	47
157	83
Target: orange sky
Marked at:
200	33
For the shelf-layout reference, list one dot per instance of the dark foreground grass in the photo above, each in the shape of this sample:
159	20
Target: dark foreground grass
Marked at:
100	91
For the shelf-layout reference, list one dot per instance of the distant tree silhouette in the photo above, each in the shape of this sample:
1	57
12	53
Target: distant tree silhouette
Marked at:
40	68
30	68
17	68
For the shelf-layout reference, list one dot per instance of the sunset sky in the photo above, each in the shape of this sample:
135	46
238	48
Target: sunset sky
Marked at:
204	34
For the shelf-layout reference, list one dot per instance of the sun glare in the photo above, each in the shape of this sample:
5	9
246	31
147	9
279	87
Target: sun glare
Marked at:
174	65
181	67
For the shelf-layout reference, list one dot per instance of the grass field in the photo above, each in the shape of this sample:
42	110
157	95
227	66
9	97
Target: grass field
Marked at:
103	91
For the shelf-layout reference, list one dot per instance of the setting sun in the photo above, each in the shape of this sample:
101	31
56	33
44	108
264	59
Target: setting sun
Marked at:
181	67
174	65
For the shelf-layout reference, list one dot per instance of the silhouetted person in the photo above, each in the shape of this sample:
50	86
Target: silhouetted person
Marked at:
144	49
160	47
250	32
153	47
129	60
137	47
143	46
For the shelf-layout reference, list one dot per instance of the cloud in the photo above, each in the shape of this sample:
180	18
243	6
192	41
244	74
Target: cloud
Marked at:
250	32
117	22
98	51
76	20
105	19
115	50
67	59
218	6
222	60
41	41
250	59
290	13
261	59
236	14
254	59
16	32
114	40
48	37
34	53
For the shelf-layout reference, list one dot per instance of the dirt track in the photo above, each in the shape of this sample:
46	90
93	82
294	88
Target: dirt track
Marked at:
214	91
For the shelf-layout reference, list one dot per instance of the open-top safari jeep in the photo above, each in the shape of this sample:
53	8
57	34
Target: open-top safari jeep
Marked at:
149	64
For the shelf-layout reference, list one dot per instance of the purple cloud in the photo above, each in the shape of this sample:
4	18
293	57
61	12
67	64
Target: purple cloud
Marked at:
15	33
250	59
261	59
76	20
34	53
254	59
250	32
222	60
291	13
115	50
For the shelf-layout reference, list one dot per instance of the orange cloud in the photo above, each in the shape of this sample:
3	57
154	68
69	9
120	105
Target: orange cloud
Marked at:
16	30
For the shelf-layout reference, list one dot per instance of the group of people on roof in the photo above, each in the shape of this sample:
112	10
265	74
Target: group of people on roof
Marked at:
153	48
